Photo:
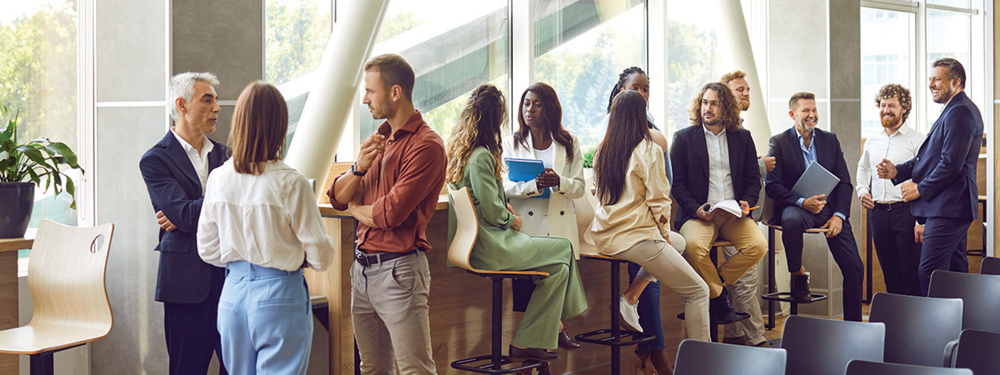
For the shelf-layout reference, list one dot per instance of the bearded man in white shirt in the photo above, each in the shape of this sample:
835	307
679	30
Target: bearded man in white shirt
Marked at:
896	233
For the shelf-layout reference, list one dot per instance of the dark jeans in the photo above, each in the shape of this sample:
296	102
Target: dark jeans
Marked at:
649	311
944	248
898	252
795	221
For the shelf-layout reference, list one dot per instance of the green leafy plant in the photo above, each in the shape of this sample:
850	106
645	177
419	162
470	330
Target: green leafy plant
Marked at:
35	160
588	157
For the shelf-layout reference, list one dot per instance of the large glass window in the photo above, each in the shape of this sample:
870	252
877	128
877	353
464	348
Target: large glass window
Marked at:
887	47
453	47
38	75
296	33
949	35
580	48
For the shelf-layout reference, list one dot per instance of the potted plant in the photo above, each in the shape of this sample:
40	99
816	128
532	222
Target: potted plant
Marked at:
22	167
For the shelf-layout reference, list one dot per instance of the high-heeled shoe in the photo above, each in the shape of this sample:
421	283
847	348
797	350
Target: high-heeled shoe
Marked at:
639	363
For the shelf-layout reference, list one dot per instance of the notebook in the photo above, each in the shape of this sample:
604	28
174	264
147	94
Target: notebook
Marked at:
525	170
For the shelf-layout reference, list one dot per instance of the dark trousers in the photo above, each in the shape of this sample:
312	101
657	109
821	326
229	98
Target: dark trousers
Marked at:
897	250
191	331
944	248
795	221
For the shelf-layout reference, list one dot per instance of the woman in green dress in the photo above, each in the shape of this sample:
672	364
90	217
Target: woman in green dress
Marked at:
474	161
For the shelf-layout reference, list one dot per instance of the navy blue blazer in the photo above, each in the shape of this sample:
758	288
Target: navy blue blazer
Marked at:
689	157
945	166
175	189
786	149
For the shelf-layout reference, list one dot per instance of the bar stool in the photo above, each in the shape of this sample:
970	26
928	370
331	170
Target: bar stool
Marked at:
458	255
616	336
714	254
773	296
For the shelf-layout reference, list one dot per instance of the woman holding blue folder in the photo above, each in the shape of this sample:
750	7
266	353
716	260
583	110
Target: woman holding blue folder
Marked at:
544	200
474	161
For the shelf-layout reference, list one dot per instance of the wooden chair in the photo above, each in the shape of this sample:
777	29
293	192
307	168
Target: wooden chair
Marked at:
458	255
69	297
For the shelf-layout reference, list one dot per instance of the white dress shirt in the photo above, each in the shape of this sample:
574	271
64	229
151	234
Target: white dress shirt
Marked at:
270	220
198	161
720	180
900	147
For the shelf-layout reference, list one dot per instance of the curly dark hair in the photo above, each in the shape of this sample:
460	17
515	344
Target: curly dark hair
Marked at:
730	107
622	78
893	90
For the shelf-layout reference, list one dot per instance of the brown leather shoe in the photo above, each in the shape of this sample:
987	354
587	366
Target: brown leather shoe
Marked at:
567	342
531	353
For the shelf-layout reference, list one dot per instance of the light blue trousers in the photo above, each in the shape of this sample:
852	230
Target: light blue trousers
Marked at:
265	320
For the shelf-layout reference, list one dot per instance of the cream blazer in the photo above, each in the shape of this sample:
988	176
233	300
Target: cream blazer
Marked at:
561	209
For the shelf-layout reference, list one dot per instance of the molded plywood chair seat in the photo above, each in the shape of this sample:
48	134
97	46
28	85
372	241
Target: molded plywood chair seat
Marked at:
858	367
917	329
979	351
70	301
709	358
459	253
824	347
991	266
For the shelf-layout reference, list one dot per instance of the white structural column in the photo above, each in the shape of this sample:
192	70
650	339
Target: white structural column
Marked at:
735	39
522	53
326	112
656	29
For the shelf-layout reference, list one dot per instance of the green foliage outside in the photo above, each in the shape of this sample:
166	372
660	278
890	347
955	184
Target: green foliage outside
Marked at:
36	161
588	157
296	35
691	59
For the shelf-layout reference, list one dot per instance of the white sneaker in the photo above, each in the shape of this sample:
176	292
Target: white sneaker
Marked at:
630	314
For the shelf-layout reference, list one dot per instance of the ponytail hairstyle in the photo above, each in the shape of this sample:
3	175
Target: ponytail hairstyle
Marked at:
478	125
622	78
552	116
626	129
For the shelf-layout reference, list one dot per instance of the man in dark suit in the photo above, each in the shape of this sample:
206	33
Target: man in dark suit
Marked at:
794	150
175	171
715	160
943	189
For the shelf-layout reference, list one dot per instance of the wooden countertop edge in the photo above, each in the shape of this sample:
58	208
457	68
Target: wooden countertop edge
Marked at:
326	210
15	244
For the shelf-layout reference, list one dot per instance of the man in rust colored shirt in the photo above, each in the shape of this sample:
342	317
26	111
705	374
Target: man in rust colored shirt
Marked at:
392	190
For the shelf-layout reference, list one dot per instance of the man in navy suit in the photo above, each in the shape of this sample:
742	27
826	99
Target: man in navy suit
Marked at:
714	160
175	171
795	149
943	189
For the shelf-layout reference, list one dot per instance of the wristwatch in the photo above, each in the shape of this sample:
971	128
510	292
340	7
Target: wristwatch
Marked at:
354	170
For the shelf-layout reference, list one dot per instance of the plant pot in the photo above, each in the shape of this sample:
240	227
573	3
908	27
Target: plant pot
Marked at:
16	198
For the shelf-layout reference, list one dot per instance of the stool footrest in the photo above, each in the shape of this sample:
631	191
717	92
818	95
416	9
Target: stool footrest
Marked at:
468	364
787	297
610	340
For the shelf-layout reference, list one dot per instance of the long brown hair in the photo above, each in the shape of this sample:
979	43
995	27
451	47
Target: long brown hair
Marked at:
728	105
478	125
626	128
551	112
260	123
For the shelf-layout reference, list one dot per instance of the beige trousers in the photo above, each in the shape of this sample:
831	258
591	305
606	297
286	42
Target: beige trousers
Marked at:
742	232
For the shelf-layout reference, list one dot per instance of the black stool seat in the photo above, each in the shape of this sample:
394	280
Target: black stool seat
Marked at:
615	337
787	297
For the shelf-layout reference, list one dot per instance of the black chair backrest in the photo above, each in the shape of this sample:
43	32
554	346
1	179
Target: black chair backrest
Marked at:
981	294
709	358
979	351
823	346
879	368
991	266
916	328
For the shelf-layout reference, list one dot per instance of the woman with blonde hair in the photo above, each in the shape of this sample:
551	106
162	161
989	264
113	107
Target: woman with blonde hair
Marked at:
260	221
474	161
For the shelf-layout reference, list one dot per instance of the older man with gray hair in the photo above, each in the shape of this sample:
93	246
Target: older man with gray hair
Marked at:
175	171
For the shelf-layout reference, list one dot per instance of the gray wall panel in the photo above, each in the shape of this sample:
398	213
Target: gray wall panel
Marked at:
131	51
224	37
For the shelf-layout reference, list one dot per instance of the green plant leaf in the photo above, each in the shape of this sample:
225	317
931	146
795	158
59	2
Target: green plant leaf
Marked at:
59	148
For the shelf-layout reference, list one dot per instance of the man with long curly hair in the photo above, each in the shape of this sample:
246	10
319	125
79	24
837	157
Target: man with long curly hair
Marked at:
714	160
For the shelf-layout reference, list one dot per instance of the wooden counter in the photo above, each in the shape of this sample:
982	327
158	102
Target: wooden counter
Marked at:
8	295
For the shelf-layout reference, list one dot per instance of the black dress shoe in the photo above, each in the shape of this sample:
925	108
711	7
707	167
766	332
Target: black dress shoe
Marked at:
567	342
722	311
531	353
800	289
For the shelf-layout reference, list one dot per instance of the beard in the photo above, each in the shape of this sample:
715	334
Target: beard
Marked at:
383	112
744	104
943	95
891	122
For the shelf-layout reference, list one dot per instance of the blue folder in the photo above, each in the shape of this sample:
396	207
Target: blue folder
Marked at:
525	170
